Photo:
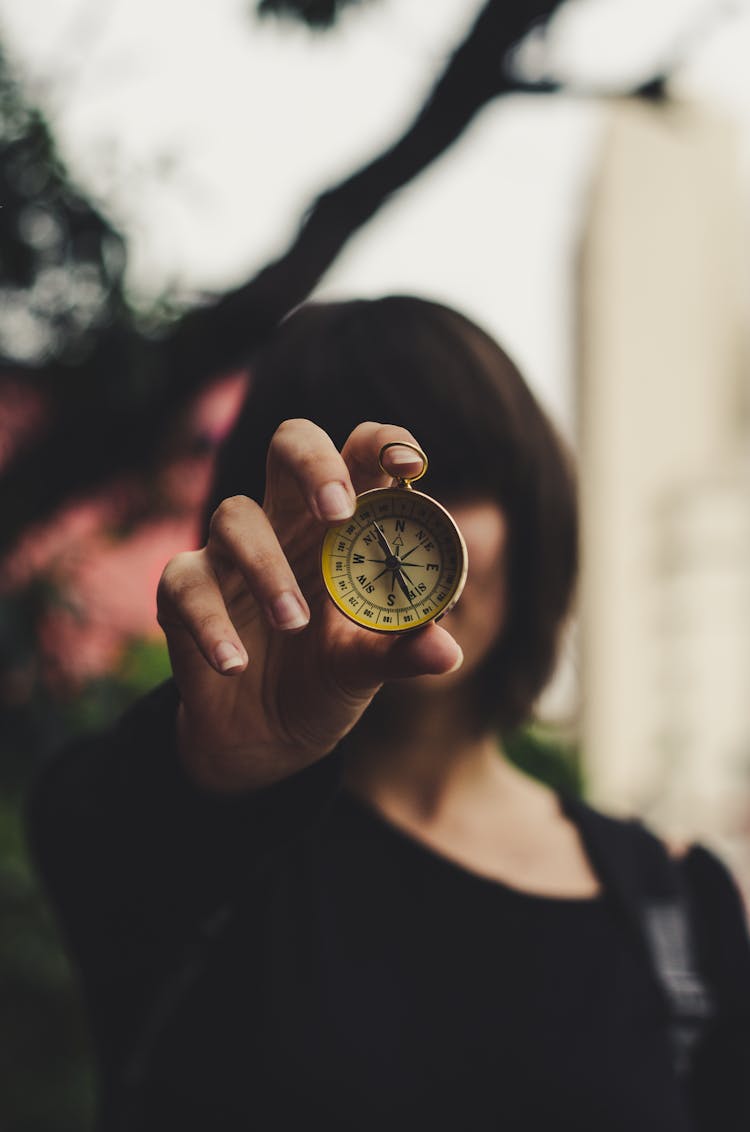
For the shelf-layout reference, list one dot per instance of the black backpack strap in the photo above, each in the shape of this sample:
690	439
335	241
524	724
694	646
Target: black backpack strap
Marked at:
650	895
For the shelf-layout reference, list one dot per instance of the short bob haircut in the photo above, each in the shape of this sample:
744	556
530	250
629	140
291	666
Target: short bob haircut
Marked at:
405	361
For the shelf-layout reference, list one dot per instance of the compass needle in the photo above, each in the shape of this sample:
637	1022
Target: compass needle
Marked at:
380	535
405	588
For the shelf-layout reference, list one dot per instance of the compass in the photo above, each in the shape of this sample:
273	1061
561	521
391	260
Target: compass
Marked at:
399	562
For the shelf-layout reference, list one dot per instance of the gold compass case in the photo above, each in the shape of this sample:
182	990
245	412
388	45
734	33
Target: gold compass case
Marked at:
398	563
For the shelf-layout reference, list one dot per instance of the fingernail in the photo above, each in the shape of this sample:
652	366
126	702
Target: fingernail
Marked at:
403	458
227	657
287	612
459	661
334	502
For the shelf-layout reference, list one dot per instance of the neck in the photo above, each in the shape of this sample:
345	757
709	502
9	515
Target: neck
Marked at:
424	753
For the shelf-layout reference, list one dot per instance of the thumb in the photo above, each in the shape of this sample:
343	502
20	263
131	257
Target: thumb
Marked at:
431	651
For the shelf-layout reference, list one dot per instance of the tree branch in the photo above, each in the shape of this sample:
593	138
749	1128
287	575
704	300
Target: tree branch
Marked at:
217	337
113	415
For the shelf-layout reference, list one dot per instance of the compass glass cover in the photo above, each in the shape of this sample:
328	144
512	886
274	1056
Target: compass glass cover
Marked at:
397	564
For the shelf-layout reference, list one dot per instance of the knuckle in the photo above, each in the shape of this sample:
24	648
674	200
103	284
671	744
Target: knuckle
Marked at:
266	572
363	433
229	508
306	452
185	589
390	434
314	466
183	573
289	431
261	562
174	573
209	624
231	512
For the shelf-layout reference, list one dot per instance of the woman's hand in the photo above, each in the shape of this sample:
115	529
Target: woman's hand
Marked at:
271	675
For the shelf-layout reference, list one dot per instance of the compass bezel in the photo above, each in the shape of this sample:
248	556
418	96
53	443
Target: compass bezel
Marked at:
431	514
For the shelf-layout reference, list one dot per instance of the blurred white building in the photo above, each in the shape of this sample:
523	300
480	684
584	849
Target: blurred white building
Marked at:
663	425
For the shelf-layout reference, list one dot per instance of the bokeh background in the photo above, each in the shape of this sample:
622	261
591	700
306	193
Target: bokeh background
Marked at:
175	176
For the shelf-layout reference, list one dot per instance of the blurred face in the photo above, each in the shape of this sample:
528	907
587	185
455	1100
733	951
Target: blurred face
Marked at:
478	618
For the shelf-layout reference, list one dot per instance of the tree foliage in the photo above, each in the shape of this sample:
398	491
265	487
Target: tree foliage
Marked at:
61	261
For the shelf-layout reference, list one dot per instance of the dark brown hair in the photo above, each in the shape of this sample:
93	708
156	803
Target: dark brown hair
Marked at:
409	362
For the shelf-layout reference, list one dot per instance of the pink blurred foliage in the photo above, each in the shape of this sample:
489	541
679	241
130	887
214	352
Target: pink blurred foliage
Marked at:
102	570
22	413
107	596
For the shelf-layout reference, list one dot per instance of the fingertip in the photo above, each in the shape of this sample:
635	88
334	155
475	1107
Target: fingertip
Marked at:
432	651
228	659
333	502
289	612
402	461
446	652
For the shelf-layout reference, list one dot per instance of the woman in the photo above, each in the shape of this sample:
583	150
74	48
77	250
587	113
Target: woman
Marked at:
301	882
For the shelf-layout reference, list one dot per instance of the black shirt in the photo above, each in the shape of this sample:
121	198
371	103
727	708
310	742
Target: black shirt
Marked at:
293	960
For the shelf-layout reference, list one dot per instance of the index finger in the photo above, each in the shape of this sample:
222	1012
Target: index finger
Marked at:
303	464
362	450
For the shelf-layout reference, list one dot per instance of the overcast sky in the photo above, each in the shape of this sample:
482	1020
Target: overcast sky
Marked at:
205	133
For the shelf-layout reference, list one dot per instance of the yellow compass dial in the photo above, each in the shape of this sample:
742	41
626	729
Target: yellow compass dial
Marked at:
397	564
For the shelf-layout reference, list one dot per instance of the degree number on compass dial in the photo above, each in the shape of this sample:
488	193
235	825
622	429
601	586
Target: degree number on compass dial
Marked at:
397	564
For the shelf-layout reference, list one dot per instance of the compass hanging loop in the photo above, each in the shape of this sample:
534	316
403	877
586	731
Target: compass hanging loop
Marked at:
404	481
